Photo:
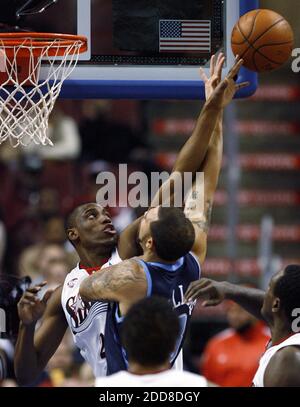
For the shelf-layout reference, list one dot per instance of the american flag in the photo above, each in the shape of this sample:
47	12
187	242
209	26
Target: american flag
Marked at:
184	35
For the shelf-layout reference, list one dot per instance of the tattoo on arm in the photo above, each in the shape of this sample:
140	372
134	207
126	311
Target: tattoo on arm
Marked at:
204	223
114	283
120	282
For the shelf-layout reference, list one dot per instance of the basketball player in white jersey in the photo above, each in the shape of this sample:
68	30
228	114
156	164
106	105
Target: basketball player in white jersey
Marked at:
280	364
149	354
90	229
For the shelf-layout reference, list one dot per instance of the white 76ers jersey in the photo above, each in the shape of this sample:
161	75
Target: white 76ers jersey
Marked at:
86	320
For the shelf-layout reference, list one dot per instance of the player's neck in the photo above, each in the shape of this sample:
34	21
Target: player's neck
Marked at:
281	331
89	259
136	368
152	257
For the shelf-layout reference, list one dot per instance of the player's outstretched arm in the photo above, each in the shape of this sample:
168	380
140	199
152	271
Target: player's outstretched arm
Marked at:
214	292
198	206
219	94
35	348
124	283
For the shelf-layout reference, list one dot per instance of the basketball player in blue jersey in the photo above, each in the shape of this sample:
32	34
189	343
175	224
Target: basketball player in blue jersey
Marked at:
90	230
174	247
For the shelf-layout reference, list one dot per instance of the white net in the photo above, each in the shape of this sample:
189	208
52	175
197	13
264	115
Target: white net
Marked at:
26	101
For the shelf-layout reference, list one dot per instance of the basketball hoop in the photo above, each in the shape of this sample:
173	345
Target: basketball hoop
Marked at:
26	101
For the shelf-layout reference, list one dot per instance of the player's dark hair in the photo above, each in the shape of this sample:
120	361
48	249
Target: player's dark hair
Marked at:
71	219
149	332
173	233
287	288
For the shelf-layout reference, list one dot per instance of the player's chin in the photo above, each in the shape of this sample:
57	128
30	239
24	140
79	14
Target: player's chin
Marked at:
110	241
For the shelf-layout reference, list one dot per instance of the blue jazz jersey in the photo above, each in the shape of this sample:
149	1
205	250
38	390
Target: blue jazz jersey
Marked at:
165	280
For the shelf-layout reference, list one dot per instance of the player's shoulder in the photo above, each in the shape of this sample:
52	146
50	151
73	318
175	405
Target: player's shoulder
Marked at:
285	360
75	274
289	355
113	260
192	257
185	378
133	265
113	380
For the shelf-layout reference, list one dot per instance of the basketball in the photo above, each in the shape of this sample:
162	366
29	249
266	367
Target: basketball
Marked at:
264	39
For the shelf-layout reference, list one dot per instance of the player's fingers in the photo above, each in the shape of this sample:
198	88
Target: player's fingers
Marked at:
223	85
236	61
36	288
199	284
194	287
30	296
197	292
235	69
27	302
47	296
219	66
212	65
242	85
203	75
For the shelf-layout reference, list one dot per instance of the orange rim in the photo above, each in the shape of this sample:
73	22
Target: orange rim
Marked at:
57	43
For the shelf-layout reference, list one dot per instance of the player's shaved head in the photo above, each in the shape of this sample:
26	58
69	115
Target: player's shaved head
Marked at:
72	217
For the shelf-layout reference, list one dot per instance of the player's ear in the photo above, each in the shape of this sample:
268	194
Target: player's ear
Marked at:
149	243
276	305
72	234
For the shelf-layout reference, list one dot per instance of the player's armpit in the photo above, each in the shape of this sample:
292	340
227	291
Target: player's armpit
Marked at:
201	222
125	283
283	369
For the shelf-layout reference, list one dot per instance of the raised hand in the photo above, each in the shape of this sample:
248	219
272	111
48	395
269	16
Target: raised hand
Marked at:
215	77
212	292
227	88
30	307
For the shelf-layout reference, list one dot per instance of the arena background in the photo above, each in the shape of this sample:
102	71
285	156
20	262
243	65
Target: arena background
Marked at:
258	194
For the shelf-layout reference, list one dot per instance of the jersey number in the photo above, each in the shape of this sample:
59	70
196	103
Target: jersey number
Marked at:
102	347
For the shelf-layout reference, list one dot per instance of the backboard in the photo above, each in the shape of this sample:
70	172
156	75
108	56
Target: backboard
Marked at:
143	51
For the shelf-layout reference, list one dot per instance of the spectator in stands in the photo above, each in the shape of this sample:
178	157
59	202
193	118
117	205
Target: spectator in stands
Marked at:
64	133
231	358
6	360
117	141
36	261
67	371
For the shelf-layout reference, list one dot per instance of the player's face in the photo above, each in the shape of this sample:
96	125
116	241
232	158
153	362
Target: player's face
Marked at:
149	216
95	227
270	299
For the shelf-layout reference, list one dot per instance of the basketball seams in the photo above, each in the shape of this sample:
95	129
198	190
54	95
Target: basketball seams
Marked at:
251	45
268	29
262	55
257	50
242	33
